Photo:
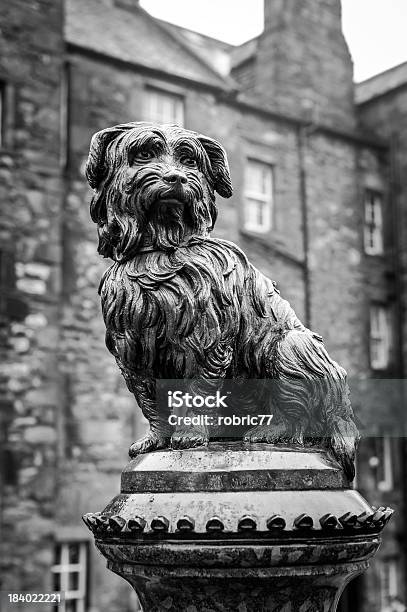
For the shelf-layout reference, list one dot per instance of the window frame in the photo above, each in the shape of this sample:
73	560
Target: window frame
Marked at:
155	117
3	89
389	576
382	339
64	569
266	198
385	480
373	236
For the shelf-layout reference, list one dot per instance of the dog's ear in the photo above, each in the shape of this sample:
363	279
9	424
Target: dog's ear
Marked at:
219	163
96	166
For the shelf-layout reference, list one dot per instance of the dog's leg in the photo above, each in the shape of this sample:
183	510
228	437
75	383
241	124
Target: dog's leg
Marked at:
209	383
277	433
191	436
197	434
159	434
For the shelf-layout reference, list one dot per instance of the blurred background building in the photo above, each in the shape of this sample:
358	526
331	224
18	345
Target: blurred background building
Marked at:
320	205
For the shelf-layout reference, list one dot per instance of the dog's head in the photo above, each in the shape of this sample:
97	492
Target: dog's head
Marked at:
154	186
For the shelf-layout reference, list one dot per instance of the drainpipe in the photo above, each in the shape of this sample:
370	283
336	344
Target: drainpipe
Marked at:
302	141
395	185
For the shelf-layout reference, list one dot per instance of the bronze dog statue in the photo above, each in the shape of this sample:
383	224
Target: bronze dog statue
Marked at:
179	304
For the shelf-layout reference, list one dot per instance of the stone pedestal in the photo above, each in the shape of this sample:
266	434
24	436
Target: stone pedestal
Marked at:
235	529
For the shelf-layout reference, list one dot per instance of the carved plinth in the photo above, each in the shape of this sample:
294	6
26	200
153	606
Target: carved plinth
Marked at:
226	528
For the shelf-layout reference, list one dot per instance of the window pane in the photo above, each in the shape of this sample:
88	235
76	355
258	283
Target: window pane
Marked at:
266	180
71	605
385	468
380	337
73	581
252	212
69	574
73	553
258	196
57	582
2	95
164	107
388	582
373	232
256	177
374	322
369	212
57	554
260	213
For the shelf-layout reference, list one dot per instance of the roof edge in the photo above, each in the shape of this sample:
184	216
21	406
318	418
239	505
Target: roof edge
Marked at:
380	74
364	97
229	82
94	54
175	25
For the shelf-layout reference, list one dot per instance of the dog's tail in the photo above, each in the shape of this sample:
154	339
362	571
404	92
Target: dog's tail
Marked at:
342	443
312	395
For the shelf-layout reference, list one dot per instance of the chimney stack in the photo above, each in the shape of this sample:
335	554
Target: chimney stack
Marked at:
130	5
304	68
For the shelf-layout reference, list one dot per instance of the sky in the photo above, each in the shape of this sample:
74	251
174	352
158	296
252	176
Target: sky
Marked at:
374	29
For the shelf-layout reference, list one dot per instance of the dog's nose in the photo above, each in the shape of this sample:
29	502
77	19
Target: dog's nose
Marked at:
175	177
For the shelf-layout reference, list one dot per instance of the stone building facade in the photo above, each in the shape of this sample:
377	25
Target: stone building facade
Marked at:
306	178
30	287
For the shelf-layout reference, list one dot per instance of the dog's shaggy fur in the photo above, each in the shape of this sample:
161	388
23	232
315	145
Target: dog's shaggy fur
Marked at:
179	304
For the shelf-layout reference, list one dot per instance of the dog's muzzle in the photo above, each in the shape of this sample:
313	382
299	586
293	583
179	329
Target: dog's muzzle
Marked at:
175	177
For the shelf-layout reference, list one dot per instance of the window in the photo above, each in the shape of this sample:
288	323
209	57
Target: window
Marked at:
385	467
70	575
388	583
2	112
258	196
3	116
380	337
373	222
164	107
382	463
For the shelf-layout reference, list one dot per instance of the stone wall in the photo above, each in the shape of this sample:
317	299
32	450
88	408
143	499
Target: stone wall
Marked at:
31	251
304	66
386	116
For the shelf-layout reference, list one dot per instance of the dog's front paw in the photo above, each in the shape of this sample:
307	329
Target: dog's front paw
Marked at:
149	442
189	437
269	434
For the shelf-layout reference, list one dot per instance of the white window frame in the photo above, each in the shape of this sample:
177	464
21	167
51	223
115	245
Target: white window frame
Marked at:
373	226
380	337
2	112
64	568
386	481
157	113
263	198
388	582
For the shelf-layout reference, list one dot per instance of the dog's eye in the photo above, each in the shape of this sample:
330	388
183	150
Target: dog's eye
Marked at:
144	155
191	162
